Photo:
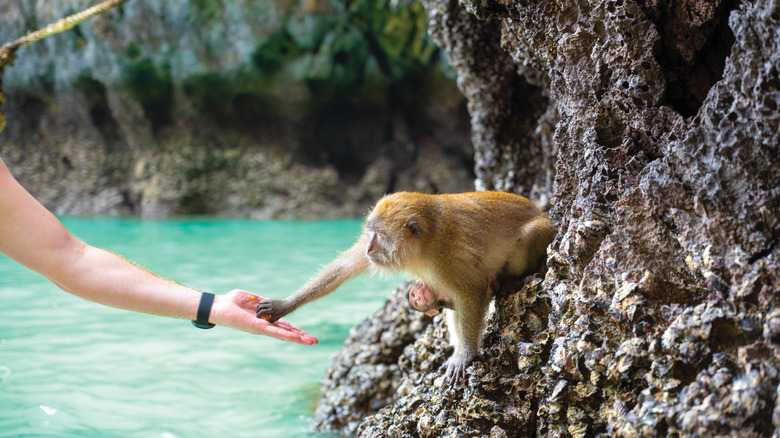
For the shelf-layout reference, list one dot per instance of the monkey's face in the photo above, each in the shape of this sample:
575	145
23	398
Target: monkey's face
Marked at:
424	299
392	229
381	249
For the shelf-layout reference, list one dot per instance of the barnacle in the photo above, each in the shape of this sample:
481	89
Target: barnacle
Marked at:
772	326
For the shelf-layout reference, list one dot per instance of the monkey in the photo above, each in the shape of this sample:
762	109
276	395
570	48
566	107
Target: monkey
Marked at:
424	299
456	244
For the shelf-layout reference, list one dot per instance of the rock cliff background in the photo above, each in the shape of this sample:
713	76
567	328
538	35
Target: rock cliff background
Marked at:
650	128
660	311
256	109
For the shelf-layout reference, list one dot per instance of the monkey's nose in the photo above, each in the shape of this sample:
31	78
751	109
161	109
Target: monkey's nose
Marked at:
372	244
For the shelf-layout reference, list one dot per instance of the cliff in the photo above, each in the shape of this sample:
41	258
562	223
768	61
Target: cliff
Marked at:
250	109
649	129
660	311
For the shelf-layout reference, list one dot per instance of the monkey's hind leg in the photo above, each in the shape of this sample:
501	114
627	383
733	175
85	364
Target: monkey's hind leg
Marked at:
531	248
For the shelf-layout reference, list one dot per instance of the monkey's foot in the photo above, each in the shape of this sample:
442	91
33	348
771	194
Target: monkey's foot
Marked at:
456	370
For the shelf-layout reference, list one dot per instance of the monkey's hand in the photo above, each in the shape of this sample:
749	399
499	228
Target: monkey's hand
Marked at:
423	299
456	368
274	309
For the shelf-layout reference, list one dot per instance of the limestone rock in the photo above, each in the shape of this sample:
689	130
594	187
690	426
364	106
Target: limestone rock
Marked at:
658	315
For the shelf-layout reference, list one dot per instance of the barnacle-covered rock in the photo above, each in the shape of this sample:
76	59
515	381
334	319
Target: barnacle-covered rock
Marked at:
366	374
496	398
651	132
772	326
658	315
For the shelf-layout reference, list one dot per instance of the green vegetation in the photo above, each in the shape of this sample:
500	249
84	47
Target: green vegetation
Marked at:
152	87
348	51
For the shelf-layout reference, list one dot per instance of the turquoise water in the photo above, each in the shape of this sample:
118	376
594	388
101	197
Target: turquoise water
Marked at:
72	368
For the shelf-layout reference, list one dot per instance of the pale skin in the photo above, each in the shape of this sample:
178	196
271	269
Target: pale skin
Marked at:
32	236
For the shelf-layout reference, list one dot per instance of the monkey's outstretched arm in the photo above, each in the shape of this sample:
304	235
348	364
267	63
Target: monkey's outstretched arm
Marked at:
350	263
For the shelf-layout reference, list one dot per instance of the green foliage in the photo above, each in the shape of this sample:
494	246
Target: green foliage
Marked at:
338	64
152	87
91	88
206	8
133	51
351	49
274	52
316	53
403	36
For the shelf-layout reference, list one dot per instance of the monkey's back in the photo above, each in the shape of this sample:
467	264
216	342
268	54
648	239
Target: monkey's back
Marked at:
485	214
490	231
468	238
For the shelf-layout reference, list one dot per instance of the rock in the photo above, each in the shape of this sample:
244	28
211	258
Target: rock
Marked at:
365	375
658	313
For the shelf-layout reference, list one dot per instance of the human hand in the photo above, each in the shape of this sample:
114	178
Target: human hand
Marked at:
237	309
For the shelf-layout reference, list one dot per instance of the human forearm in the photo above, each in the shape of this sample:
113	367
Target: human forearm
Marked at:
104	277
32	236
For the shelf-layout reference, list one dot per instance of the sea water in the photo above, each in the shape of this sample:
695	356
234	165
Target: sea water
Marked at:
73	368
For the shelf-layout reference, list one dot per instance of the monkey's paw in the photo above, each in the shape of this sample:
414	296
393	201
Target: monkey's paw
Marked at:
271	310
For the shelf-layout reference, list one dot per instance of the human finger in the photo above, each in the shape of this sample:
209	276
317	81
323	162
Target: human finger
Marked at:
286	332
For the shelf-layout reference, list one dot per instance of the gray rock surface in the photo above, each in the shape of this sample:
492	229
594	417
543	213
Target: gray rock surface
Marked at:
659	313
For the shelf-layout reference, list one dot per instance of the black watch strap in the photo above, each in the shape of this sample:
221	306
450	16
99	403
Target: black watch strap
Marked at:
204	309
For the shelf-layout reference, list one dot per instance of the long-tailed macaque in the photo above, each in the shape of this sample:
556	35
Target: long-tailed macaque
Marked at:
422	298
456	244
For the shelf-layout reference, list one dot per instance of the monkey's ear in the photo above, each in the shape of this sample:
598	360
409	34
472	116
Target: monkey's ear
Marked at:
412	229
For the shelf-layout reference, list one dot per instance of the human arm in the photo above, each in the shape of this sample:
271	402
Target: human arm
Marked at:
32	236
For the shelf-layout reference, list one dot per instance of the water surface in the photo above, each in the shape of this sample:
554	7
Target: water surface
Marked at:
73	368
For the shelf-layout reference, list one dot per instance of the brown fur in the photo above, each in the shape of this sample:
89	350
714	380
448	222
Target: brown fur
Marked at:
456	244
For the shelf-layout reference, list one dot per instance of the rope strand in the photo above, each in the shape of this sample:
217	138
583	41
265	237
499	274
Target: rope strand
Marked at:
8	50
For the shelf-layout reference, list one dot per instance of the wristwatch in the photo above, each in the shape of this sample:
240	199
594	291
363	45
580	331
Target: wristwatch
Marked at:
204	309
